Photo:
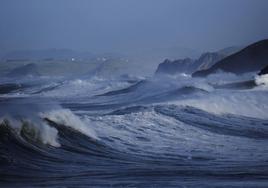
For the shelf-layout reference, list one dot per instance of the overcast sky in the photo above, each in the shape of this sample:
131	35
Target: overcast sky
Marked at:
126	25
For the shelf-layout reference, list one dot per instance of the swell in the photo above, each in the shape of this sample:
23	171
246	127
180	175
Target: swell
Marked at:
146	96
171	143
129	89
35	162
31	163
11	87
118	100
227	124
47	89
180	93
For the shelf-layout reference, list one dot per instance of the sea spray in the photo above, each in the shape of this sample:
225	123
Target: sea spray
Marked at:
26	118
262	80
66	118
31	130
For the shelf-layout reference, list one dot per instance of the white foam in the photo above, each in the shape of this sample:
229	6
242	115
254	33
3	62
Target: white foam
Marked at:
262	80
158	133
27	116
245	103
49	135
39	130
251	102
66	118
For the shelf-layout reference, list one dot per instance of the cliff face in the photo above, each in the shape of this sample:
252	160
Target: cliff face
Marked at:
208	59
188	65
174	67
250	59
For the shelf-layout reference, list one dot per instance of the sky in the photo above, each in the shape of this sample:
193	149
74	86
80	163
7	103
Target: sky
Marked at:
129	25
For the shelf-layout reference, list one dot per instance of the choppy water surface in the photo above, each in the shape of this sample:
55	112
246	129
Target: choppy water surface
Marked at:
155	132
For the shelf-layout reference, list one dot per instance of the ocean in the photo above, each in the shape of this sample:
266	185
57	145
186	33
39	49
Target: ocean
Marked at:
134	132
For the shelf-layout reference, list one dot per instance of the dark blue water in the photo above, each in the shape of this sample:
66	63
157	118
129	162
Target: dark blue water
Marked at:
84	133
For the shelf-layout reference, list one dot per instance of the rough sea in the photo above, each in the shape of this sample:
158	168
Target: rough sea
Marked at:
134	132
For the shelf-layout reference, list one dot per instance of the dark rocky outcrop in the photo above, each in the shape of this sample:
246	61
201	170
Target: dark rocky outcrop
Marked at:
25	70
188	65
207	60
250	59
174	67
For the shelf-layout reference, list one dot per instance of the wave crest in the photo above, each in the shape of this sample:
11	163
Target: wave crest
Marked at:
67	118
36	132
31	121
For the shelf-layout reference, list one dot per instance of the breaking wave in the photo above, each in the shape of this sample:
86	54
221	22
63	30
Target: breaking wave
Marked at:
182	130
262	80
30	120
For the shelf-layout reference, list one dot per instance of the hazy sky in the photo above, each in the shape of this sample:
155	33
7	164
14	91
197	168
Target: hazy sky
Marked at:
126	25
